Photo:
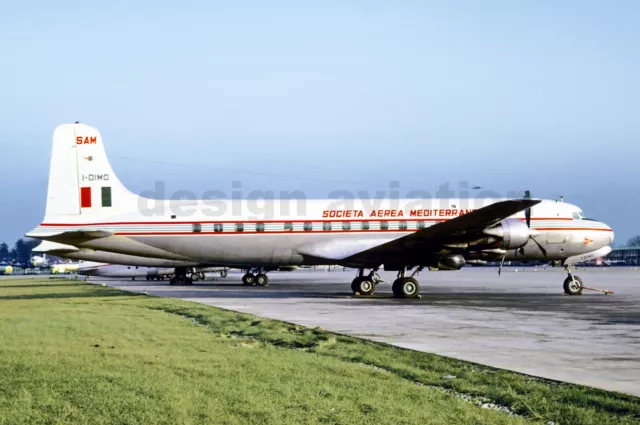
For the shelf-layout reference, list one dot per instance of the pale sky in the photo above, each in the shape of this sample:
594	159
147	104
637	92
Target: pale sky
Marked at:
329	95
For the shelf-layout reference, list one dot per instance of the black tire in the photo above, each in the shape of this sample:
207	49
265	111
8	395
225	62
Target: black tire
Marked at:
406	287
223	274
366	286
355	283
172	281
202	276
570	288
248	279
262	279
396	288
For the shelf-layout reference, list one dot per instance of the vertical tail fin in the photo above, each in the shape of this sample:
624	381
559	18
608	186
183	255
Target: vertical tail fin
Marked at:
81	180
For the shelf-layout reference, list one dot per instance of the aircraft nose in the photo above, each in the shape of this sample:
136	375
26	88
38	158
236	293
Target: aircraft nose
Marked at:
610	236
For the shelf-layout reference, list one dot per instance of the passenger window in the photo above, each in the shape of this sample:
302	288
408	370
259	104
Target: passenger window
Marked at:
217	227
364	225
420	225
308	226
288	225
346	225
384	225
402	225
326	225
239	227
197	227
260	227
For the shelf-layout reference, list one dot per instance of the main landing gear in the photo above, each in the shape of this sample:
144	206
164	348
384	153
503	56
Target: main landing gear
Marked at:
258	277
403	287
406	287
365	285
180	277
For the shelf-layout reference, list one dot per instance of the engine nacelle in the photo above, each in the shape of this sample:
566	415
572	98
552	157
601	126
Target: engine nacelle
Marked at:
451	262
513	232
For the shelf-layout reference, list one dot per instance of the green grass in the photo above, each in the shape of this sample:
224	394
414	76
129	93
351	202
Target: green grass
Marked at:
77	353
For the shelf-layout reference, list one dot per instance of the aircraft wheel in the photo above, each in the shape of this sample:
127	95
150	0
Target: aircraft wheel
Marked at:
195	277
262	280
573	286
223	274
248	279
133	278
172	281
148	278
202	276
406	287
363	285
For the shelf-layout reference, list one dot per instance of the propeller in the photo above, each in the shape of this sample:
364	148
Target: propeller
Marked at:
527	216
532	233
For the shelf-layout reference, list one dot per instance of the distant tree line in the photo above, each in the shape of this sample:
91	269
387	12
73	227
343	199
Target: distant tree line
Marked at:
634	242
19	253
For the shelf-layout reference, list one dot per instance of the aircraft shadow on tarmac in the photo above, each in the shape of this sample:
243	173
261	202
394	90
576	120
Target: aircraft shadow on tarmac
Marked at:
605	309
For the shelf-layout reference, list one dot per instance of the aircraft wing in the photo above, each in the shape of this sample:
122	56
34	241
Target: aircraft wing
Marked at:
459	229
431	239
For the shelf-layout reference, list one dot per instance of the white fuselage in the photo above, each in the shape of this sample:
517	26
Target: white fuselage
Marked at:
290	239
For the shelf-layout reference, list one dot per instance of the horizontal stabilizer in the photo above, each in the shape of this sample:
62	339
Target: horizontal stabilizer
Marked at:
72	237
47	246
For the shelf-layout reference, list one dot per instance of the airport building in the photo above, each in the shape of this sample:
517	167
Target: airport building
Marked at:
624	256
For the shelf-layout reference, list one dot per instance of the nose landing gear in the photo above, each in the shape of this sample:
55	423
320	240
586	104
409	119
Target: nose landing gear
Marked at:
573	284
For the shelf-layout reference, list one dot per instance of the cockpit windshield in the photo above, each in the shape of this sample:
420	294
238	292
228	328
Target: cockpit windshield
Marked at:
578	215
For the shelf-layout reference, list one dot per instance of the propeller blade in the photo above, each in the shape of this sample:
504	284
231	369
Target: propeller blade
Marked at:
544	251
527	212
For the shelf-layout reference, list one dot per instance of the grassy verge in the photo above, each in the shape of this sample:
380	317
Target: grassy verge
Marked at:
77	353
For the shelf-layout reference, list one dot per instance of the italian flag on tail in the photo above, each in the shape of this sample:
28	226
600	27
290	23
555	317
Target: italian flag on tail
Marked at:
86	197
